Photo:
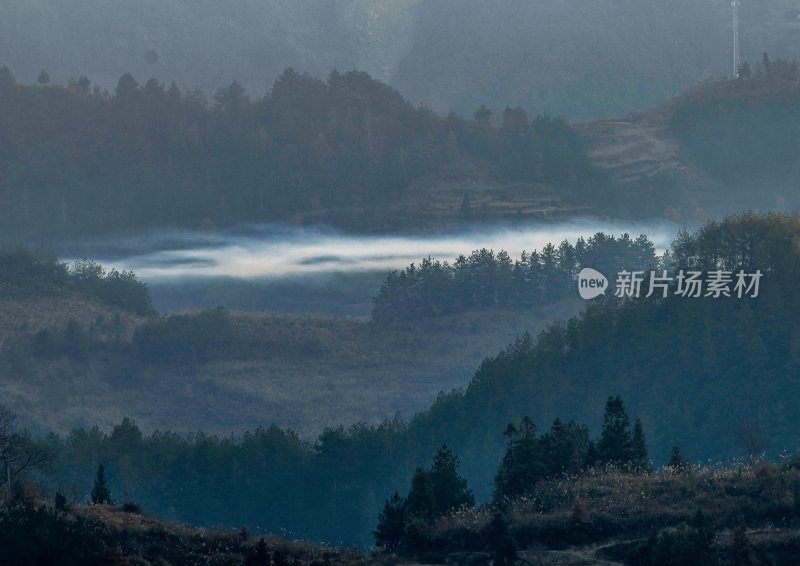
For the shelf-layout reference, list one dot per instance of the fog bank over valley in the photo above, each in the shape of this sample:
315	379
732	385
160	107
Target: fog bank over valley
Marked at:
312	270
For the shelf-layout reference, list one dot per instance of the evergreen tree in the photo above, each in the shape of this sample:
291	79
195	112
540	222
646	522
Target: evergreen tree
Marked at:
566	446
615	444
523	464
483	115
676	460
421	501
639	457
101	493
744	70
449	488
592	458
60	501
44	78
390	532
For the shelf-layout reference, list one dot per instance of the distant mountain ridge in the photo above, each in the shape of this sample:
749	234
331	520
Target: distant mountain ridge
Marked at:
583	60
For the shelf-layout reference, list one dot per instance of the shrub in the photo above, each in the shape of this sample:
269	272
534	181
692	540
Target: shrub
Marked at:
131	507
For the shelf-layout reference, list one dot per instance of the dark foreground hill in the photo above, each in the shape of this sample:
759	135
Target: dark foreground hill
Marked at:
742	515
36	533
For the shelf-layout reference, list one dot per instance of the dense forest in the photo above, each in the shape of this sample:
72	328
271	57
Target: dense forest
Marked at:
726	366
352	152
485	280
557	497
77	159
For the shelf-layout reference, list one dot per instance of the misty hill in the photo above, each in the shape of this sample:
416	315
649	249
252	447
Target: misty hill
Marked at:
584	60
713	375
82	345
722	364
348	150
352	152
719	147
39	292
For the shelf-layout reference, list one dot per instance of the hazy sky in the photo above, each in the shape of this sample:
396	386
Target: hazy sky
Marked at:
581	58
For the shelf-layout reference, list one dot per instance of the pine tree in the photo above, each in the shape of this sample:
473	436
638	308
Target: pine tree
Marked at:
591	455
60	502
639	457
524	463
615	445
390	532
744	71
101	494
450	489
44	78
421	502
676	460
483	115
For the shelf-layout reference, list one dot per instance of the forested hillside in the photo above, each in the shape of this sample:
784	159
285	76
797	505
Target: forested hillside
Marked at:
713	375
350	151
80	343
79	160
488	281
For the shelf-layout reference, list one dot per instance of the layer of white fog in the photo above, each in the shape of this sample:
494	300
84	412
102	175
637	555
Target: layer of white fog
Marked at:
311	270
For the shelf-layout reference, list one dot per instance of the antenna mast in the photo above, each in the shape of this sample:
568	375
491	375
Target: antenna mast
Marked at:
736	63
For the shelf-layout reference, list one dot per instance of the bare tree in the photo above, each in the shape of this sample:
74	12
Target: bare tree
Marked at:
18	451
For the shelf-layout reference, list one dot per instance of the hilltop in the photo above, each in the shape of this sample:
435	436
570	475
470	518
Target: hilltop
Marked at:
719	147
